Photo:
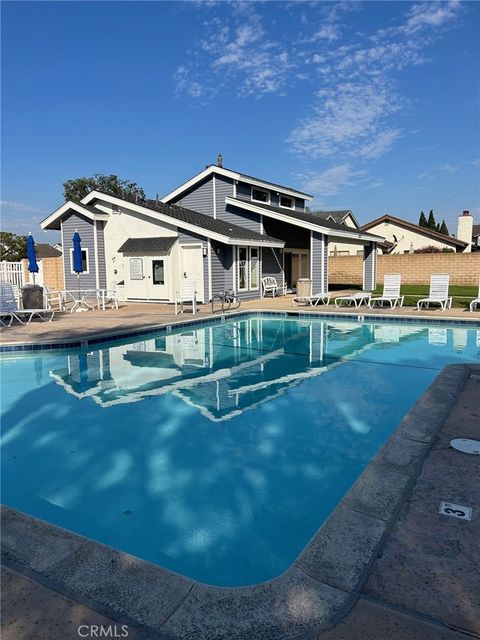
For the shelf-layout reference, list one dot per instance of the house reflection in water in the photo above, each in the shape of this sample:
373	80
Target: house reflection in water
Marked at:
221	370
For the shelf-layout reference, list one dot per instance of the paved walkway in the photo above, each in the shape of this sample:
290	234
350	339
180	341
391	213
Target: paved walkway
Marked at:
424	584
143	315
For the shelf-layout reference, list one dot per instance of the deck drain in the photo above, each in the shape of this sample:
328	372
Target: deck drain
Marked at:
466	445
455	510
127	513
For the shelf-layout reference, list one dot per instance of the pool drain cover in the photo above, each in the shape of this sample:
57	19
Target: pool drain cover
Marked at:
465	445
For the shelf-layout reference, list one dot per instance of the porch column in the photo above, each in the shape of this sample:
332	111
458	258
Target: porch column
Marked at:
318	262
370	266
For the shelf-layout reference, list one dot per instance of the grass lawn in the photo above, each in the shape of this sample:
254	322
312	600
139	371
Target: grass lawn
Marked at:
413	292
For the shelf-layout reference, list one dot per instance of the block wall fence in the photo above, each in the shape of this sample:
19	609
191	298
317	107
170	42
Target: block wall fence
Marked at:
464	268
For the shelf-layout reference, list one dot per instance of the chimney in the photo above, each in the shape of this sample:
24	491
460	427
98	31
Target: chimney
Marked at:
465	229
219	160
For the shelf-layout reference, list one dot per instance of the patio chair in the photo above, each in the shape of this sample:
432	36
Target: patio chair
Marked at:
186	295
9	307
476	301
357	299
51	298
110	296
270	285
438	293
391	291
312	300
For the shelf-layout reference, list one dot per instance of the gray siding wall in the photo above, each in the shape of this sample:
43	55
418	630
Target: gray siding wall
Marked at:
84	226
325	264
272	262
299	204
102	268
199	198
316	262
246	219
223	188
222	267
370	266
188	237
244	191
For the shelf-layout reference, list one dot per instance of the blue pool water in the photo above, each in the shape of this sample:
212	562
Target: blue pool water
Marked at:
215	452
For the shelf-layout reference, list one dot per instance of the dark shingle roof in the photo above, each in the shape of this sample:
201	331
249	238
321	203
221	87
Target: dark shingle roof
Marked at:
302	216
201	221
338	216
148	244
476	230
46	251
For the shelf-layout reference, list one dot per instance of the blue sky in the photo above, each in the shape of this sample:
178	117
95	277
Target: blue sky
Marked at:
372	106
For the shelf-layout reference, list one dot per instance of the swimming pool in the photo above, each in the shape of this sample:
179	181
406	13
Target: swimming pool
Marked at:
215	451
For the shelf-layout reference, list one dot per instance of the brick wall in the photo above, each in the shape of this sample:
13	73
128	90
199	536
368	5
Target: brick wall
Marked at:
464	268
52	272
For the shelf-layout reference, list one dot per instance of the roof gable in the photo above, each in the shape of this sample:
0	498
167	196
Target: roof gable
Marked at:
428	233
213	169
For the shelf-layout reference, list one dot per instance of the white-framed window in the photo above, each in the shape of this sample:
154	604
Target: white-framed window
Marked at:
84	260
254	268
248	269
260	195
286	202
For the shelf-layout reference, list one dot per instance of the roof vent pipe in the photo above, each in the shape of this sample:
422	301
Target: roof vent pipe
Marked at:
219	160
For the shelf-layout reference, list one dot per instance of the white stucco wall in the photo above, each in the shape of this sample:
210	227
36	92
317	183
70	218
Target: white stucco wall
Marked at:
121	226
406	237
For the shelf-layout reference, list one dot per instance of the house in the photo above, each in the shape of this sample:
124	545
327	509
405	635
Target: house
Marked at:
402	236
221	228
50	267
476	237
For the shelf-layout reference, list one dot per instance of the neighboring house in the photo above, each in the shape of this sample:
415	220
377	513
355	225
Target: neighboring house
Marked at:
221	228
345	217
406	237
402	236
50	267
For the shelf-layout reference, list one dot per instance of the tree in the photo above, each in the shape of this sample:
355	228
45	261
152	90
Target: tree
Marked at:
431	224
423	220
78	188
444	229
12	247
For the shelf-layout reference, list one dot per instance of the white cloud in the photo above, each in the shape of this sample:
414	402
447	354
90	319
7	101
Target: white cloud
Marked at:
331	181
347	121
20	207
375	185
431	14
476	162
448	168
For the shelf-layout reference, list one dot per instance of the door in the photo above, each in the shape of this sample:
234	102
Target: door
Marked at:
147	278
192	267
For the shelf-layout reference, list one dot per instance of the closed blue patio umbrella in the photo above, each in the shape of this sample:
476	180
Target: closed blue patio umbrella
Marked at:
77	256
32	257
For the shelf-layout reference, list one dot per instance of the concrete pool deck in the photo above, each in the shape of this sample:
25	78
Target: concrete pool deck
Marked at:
135	316
385	564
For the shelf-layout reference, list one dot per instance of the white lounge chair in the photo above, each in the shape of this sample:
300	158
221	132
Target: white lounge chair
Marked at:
391	291
270	285
357	299
438	293
312	300
476	301
9	307
186	295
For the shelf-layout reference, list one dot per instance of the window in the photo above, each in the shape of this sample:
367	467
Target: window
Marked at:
286	202
247	269
253	268
158	272
84	260
260	195
242	268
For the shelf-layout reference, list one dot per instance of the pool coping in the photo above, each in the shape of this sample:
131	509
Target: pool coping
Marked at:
100	337
312	595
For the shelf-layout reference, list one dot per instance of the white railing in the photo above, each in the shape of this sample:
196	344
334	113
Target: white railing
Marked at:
11	272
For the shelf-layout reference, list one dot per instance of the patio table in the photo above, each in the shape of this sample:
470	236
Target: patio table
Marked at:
79	297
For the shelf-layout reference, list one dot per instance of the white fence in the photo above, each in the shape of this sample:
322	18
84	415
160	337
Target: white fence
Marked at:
11	272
